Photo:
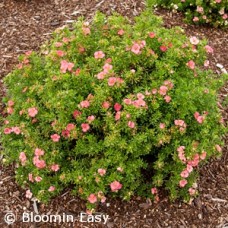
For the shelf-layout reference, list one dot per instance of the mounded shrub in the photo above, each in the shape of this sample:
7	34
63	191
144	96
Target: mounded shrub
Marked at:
213	12
112	108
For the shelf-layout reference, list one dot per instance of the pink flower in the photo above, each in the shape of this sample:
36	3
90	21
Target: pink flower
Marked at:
180	123
163	48
115	186
191	64
107	67
142	43
131	124
168	83
162	125
154	91
40	164
102	172
209	49
76	113
70	126
39	152
60	53
86	30
225	16
154	191
111	81
194	40
140	96
101	75
103	199
199	9
127	101
206	63
203	155
118	115
184	173
195	19
65	40
65	133
66	66
117	107
218	148
136	48
99	55
163	90
152	35
16	130
218	1
38	179
92	198
183	182
85	127
10	110
58	44
32	112
90	118
120	169
167	99
189	168
28	194
51	189
85	104
120	32
55	167
191	191
55	137
195	161
6	122
22	158
30	177
106	104
7	131
198	117
10	103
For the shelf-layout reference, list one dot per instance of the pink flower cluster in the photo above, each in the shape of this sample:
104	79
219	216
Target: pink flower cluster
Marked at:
22	158
154	191
200	118
137	46
40	164
113	80
15	130
66	66
106	69
37	178
181	124
189	164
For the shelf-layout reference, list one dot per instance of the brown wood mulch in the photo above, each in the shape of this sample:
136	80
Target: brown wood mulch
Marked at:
24	25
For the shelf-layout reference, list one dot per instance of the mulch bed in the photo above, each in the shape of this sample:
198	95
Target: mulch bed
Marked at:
25	25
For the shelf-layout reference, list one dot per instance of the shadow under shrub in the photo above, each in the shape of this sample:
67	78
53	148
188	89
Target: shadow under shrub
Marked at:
114	109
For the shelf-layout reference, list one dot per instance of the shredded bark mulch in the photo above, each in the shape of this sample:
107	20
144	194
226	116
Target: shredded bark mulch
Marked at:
25	25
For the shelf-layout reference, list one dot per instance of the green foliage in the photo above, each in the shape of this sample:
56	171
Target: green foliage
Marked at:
106	107
213	12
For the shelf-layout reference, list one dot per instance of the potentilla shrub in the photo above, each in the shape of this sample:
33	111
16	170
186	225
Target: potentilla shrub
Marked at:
113	108
213	12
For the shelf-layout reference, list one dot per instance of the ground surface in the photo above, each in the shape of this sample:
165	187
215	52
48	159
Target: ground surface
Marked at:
24	25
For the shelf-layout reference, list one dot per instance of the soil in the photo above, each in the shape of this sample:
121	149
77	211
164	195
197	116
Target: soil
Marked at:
25	25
